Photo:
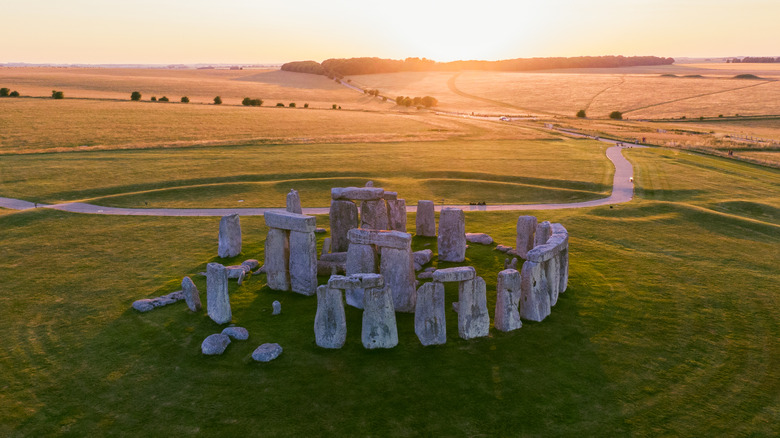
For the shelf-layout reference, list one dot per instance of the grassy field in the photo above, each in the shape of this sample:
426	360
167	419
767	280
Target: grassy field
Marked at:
669	327
504	171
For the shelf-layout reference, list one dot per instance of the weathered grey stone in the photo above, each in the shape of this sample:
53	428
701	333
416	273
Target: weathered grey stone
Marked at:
320	230
417	267
511	264
503	248
430	323
543	232
507	301
143	305
456	306
379	327
250	264
369	184
294	202
564	260
389	196
425	275
552	270
452	235
343	217
473	316
229	236
277	308
330	322
267	352
397	268
217	298
277	258
373	215
191	294
357	193
534	294
425	222
458	273
303	263
423	256
390	239
361	259
237	333
215	344
480	238
326	247
338	257
329	268
236	271
355	281
526	228
396	214
284	220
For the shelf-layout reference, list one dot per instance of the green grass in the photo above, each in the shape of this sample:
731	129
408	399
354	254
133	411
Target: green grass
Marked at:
472	171
669	327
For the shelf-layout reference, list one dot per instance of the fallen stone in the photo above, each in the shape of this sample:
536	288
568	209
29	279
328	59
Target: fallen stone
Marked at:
503	248
452	235
303	263
267	352
330	323
397	268
425	275
373	215
425	221
389	239
143	305
423	257
480	238
473	317
396	214
320	230
379	326
277	259
526	228
215	344
417	267
430	324
277	306
357	193
430	269
507	301
543	232
229	236
459	273
217	298
338	257
329	268
294	202
237	333
343	217
250	264
284	220
534	295
191	294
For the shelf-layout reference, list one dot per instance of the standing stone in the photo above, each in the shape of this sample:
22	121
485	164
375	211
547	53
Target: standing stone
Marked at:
303	263
277	256
452	235
425	222
552	270
526	228
217	298
396	212
294	202
373	215
397	266
379	327
473	316
507	301
361	259
191	294
325	246
430	324
534	298
543	232
343	217
330	322
564	260
229	236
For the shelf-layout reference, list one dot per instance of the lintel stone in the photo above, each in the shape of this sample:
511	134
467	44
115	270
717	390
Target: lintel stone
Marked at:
285	220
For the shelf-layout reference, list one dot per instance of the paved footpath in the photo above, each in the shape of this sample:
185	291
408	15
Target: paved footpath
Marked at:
622	191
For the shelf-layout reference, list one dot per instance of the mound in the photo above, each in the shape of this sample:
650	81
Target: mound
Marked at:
693	76
668	75
746	76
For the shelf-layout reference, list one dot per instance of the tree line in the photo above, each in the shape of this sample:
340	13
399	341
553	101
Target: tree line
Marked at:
754	59
359	66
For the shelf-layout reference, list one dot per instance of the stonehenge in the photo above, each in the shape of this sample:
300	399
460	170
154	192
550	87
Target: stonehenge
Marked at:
545	273
473	316
430	323
330	321
191	294
379	210
294	202
452	235
526	228
291	252
426	219
217	298
507	316
229	236
379	328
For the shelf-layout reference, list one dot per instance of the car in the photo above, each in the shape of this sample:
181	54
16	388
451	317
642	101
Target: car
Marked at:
504	118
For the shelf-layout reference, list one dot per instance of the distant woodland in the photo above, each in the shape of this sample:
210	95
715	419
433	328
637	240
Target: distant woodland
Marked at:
754	59
361	66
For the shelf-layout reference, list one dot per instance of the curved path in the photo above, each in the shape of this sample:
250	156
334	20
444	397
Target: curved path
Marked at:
622	191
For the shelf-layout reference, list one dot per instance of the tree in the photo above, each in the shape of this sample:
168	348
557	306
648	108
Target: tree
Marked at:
280	104
57	94
581	113
164	99
334	106
4	92
14	94
429	101
154	99
217	100
305	105
616	115
185	99
292	105
251	102
135	95
399	100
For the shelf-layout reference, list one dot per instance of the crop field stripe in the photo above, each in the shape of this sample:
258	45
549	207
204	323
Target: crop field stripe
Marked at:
696	96
622	81
454	89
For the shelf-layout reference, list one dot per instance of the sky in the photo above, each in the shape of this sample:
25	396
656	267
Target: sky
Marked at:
263	31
